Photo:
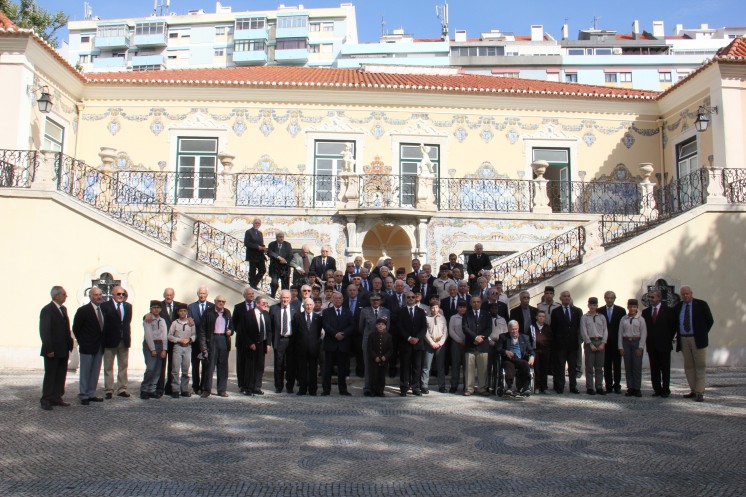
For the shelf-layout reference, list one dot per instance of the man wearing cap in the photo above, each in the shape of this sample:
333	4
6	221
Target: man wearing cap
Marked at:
367	327
632	336
612	360
694	323
660	321
548	304
378	354
594	334
155	338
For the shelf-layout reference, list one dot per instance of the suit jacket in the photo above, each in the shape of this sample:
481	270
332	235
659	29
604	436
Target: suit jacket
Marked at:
380	346
275	318
447	266
445	308
475	264
306	339
54	330
334	324
361	303
116	328
240	314
207	327
248	331
320	269
702	322
662	332
286	252
524	342
367	320
502	310
297	263
407	327
252	240
88	333
517	314
474	328
173	316
566	333
617	313
429	292
193	312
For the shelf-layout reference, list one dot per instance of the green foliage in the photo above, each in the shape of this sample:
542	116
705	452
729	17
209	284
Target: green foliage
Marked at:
27	14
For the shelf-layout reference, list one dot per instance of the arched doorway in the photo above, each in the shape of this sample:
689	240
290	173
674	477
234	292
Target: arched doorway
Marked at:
388	241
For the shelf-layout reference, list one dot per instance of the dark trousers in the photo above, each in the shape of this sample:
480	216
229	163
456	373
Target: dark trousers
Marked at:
306	365
241	369
357	350
613	366
196	364
565	357
218	359
516	369
457	361
276	280
394	358
410	368
254	367
53	386
492	365
378	379
256	271
342	361
660	370
542	368
164	383
284	364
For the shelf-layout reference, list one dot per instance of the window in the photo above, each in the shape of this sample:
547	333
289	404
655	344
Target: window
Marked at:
327	26
54	135
686	156
664	77
625	77
410	156
287	22
172	57
291	44
575	51
249	46
508	75
477	51
196	161
328	162
558	174
83	59
219	52
314	48
611	77
571	77
173	35
111	31
251	23
150	67
85	39
603	51
220	31
150	28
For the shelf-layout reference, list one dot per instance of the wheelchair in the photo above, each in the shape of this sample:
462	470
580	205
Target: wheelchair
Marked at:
499	380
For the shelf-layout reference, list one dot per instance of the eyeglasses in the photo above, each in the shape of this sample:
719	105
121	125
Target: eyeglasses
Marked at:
220	301
410	297
119	294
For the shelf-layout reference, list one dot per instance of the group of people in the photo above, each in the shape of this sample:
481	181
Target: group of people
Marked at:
390	322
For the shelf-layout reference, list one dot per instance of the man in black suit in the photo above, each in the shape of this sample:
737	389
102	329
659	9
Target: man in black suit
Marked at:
56	345
253	341
355	303
516	361
477	328
215	332
612	360
416	270
477	265
337	337
305	342
411	328
451	265
88	328
322	263
194	312
694	324
241	311
425	288
281	326
493	298
253	240
169	315
280	254
660	322
566	328
117	340
448	305
524	314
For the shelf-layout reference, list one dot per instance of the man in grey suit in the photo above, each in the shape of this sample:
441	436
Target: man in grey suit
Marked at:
367	327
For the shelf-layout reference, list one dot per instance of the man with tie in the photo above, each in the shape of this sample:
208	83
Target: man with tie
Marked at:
411	326
566	328
493	298
355	303
524	314
117	339
254	335
324	262
56	345
280	253
281	319
451	265
660	322
88	328
416	270
424	287
367	327
195	311
254	242
337	336
305	343
463	292
477	329
694	324
215	332
612	360
169	315
449	303
477	265
301	264
242	311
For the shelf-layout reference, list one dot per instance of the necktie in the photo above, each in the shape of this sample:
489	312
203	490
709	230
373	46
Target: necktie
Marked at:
411	312
170	310
201	309
306	264
495	321
476	315
285	322
567	314
608	313
453	304
308	320
262	330
63	310
323	262
400	300
687	319
119	310
655	313
100	317
375	313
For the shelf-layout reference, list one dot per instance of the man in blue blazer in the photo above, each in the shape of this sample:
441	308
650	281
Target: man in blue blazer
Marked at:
56	345
117	340
694	323
337	337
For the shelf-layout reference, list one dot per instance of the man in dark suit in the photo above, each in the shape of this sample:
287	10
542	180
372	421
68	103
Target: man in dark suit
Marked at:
694	324
366	327
117	340
524	314
301	264
416	270
355	303
280	254
281	326
322	263
612	360
56	345
195	311
253	240
566	328
425	288
88	328
215	332
241	312
660	322
451	265
253	341
411	328
337	337
448	305
169	315
477	329
305	342
477	265
516	358
493	298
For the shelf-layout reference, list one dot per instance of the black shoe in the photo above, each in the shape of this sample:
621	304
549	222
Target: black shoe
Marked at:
638	393
247	393
144	395
289	390
123	394
453	390
186	394
345	394
665	395
46	406
574	390
312	394
301	392
442	390
95	399
403	393
278	390
700	397
367	393
656	394
690	395
558	391
418	393
601	391
629	393
175	395
62	403
85	402
108	396
325	394
609	389
426	391
591	391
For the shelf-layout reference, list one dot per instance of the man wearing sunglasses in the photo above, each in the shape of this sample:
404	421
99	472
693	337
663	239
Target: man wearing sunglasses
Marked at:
117	338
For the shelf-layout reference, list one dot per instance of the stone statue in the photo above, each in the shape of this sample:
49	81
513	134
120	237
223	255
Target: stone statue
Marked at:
347	159
425	167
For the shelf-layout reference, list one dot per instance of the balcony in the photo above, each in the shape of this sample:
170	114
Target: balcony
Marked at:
148	60
250	58
151	40
112	36
109	62
251	34
292	56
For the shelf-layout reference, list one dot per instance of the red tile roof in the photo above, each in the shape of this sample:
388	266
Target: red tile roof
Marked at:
6	24
295	77
734	51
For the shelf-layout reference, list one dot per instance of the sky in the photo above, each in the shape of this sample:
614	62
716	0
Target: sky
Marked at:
417	17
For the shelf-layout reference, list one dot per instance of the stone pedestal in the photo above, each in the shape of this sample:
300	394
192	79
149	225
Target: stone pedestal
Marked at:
46	173
715	193
647	199
349	191
425	199
541	198
107	155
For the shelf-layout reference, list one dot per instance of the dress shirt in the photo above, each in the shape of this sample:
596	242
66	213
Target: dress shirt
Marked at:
633	327
686	308
593	326
219	324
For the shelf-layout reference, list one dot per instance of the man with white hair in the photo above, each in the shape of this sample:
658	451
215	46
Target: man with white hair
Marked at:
517	358
301	264
215	332
695	323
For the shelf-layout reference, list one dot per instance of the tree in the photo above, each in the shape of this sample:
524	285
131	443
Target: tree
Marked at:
29	15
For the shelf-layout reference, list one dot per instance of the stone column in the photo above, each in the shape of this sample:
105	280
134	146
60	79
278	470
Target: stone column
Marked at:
107	155
349	191
420	251
224	194
715	193
353	247
647	200
45	177
541	198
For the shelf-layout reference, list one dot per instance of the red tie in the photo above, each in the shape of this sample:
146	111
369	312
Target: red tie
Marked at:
655	314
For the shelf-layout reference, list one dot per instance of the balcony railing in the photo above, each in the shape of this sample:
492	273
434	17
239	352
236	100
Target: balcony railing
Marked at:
183	188
734	182
286	190
481	194
593	197
18	168
540	263
116	199
382	191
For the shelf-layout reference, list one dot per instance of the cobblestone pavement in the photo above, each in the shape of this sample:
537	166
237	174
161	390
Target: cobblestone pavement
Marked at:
435	445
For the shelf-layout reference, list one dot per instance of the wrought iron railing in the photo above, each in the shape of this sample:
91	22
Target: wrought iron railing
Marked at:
734	182
183	188
116	199
524	270
655	208
483	194
613	197
18	167
387	191
286	190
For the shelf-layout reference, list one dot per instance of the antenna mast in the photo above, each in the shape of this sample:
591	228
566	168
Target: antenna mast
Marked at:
441	12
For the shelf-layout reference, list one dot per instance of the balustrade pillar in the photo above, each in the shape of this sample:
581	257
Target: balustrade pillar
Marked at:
425	199
184	239
541	198
45	177
647	199
349	192
715	193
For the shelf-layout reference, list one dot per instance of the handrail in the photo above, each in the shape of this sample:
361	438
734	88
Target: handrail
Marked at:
18	168
486	194
594	197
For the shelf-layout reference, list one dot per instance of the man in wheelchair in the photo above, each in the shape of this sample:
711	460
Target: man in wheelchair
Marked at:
517	357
